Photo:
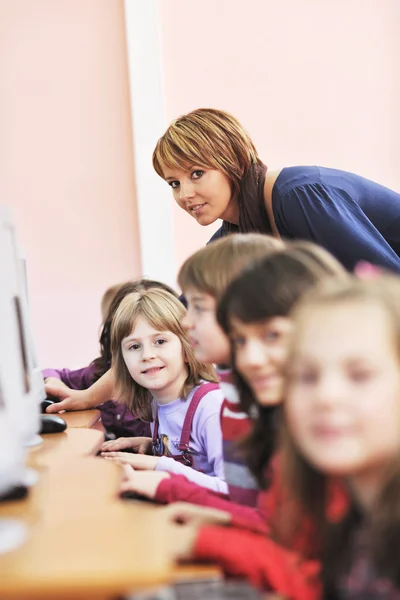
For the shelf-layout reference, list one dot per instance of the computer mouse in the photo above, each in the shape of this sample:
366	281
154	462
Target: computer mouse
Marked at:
52	424
45	403
53	398
18	492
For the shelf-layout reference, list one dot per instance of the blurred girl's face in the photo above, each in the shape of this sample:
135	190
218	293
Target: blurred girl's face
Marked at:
343	397
260	351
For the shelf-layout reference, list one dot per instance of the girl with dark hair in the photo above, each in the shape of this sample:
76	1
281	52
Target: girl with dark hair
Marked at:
254	312
117	417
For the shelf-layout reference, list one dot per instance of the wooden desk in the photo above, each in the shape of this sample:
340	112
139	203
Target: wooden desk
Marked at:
72	443
82	418
83	541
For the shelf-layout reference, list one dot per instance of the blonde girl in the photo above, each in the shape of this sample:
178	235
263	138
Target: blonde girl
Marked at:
155	369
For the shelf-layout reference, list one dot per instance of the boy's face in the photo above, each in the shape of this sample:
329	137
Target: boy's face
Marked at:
209	342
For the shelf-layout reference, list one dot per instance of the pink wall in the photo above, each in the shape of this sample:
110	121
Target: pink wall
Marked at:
313	82
66	164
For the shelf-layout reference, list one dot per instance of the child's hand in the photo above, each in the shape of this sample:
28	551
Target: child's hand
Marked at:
69	399
141	445
144	483
184	541
197	516
142	462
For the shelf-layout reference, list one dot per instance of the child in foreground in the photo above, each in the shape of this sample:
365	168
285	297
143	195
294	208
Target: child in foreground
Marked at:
342	416
163	383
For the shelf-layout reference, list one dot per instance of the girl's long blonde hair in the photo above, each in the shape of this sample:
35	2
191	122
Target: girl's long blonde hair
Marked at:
164	312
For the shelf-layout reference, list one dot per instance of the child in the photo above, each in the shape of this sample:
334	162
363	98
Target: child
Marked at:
117	418
203	278
343	416
255	312
153	361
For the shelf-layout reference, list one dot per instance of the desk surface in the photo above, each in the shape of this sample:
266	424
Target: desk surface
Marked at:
72	443
82	418
83	541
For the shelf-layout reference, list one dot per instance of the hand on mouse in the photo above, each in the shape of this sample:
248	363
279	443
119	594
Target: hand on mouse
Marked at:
184	513
141	445
69	399
142	462
144	483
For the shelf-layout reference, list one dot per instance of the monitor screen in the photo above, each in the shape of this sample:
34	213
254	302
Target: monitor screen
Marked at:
20	386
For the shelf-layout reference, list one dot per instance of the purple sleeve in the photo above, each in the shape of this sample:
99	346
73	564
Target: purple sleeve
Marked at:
79	379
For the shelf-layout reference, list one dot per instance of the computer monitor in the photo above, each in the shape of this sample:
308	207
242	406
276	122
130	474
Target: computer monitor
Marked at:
19	413
37	375
19	380
13	532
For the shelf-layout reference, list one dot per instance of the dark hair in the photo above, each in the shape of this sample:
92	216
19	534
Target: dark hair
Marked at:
103	363
267	289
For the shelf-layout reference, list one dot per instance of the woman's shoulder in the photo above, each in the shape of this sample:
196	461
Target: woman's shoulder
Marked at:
290	178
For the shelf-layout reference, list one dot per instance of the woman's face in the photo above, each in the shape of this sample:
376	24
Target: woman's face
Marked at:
206	194
343	397
260	351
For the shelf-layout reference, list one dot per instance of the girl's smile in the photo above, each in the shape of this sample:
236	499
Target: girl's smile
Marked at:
260	351
155	360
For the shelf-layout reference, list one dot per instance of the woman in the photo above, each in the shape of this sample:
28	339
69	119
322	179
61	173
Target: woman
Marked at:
215	173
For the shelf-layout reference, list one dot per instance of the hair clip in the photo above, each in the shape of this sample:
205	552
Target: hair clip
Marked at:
366	270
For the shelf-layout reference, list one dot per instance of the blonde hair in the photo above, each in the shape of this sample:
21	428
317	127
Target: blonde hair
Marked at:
165	313
304	484
211	269
210	138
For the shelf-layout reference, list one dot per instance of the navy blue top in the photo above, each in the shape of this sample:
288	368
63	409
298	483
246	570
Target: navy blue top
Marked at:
352	217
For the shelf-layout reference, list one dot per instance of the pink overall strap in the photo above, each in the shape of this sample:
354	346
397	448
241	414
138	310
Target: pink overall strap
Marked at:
202	390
